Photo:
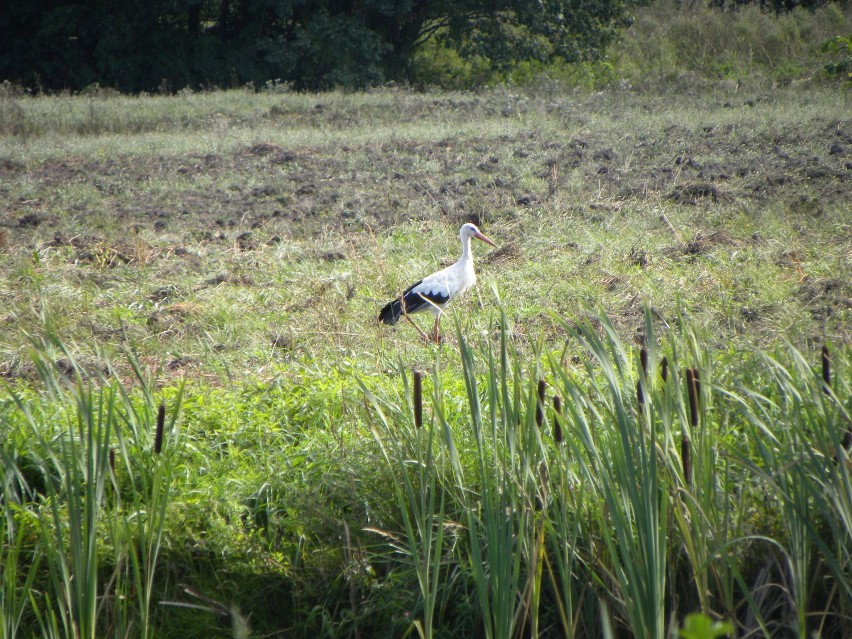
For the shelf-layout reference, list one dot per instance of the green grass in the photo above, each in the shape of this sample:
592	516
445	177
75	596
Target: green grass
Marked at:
153	241
227	253
692	45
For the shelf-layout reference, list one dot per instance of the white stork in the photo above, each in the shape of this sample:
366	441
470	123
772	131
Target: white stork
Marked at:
438	289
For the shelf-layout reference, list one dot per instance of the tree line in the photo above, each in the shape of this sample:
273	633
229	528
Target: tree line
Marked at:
156	45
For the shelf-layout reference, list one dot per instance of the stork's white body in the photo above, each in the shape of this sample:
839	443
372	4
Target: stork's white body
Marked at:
437	290
450	282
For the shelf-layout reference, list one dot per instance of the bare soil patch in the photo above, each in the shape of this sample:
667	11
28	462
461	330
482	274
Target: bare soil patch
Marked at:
199	219
296	192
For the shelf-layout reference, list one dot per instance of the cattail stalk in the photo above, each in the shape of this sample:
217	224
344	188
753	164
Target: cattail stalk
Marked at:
161	423
558	437
643	360
418	399
539	409
686	459
693	387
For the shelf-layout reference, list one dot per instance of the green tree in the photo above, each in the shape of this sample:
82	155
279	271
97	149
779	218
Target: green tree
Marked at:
508	31
145	45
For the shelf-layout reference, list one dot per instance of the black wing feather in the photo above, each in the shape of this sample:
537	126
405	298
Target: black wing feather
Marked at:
414	302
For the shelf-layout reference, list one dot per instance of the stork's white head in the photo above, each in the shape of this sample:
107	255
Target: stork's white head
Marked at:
470	230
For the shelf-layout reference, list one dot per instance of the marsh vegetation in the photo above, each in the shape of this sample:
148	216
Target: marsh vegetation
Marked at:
673	265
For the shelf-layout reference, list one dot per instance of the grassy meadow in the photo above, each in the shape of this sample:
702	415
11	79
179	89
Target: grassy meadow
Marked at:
637	424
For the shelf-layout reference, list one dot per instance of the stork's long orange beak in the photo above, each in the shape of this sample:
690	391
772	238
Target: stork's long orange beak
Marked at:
479	236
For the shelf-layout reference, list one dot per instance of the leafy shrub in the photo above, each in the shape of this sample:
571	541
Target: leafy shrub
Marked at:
839	50
745	45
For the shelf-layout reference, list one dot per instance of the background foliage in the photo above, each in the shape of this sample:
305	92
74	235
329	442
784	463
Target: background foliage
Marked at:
222	254
168	45
144	46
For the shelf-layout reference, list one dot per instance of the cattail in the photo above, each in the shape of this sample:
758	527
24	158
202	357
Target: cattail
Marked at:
686	459
112	460
161	422
693	387
418	399
643	360
539	409
557	418
664	368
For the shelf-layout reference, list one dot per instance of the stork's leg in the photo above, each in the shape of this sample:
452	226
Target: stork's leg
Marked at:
413	323
419	330
437	336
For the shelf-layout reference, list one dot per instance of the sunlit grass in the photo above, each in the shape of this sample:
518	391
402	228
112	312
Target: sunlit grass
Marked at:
293	505
599	525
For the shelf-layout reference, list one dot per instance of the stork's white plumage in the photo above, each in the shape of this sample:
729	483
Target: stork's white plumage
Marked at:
438	289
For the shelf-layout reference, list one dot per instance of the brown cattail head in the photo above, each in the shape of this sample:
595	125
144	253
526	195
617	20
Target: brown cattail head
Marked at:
418	399
693	388
643	361
112	460
686	459
826	370
539	409
664	368
161	423
558	437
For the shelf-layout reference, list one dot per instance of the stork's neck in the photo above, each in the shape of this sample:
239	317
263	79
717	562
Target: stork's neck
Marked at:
466	255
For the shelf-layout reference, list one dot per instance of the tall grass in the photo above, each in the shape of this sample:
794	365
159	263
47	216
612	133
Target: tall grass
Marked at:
639	498
797	436
504	556
623	468
675	44
414	456
634	509
99	522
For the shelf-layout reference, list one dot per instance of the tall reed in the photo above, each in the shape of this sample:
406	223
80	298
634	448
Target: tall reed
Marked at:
414	458
567	534
616	448
797	428
707	503
140	510
99	536
19	564
504	523
645	500
79	449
